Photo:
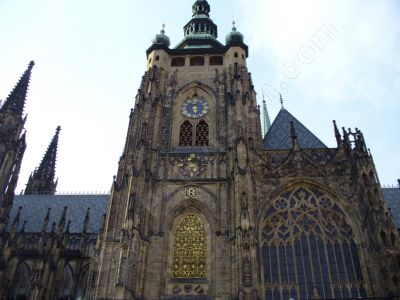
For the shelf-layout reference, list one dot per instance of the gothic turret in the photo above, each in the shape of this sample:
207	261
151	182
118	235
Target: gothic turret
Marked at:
42	180
162	38
234	35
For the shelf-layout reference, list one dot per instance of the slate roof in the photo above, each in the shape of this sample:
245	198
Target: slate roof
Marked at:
278	136
34	210
392	198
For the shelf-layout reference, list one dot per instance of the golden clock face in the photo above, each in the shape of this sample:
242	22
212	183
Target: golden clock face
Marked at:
195	108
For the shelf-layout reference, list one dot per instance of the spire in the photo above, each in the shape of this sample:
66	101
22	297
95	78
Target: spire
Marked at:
61	223
15	223
22	230
42	179
281	100
46	220
337	134
15	101
266	119
86	221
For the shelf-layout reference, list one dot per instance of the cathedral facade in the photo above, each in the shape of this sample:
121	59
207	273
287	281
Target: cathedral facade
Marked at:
203	206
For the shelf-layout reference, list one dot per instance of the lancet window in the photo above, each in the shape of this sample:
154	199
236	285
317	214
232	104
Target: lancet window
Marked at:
194	135
202	133
186	134
190	248
21	283
308	249
67	283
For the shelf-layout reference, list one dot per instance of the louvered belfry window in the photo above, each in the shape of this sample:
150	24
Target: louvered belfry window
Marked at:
202	133
186	134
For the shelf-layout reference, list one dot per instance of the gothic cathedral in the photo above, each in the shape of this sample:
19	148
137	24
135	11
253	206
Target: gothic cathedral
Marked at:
203	206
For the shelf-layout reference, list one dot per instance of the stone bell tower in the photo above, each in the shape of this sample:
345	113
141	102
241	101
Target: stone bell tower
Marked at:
178	222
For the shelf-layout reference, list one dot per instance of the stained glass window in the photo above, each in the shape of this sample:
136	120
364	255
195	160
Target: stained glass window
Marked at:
189	253
20	286
186	134
308	249
67	283
202	133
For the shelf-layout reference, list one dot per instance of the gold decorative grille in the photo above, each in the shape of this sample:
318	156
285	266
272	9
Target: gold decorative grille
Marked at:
189	254
202	134
186	134
308	249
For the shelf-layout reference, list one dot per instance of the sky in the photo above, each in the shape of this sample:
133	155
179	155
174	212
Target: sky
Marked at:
330	60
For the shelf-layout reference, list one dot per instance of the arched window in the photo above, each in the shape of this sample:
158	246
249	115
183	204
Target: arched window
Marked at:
308	249
21	284
190	249
67	284
202	133
186	134
82	283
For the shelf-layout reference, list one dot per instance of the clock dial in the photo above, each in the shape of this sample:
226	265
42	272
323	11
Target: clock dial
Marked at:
195	108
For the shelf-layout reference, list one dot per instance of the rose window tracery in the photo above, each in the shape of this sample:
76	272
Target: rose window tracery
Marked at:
190	249
308	249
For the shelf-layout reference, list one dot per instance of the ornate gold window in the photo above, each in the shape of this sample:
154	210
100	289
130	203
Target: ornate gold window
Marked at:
190	249
186	134
202	133
308	249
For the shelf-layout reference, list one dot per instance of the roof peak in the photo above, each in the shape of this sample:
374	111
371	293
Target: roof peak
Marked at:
279	136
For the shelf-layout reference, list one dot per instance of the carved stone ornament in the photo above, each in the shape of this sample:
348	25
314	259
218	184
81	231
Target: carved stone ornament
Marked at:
191	165
191	192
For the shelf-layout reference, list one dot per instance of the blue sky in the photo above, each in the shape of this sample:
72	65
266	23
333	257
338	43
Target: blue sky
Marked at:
90	56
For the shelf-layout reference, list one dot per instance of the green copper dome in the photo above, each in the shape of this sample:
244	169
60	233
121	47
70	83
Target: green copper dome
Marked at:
161	38
234	35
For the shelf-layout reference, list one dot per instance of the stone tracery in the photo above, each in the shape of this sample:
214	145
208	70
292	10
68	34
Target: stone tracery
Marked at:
308	248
